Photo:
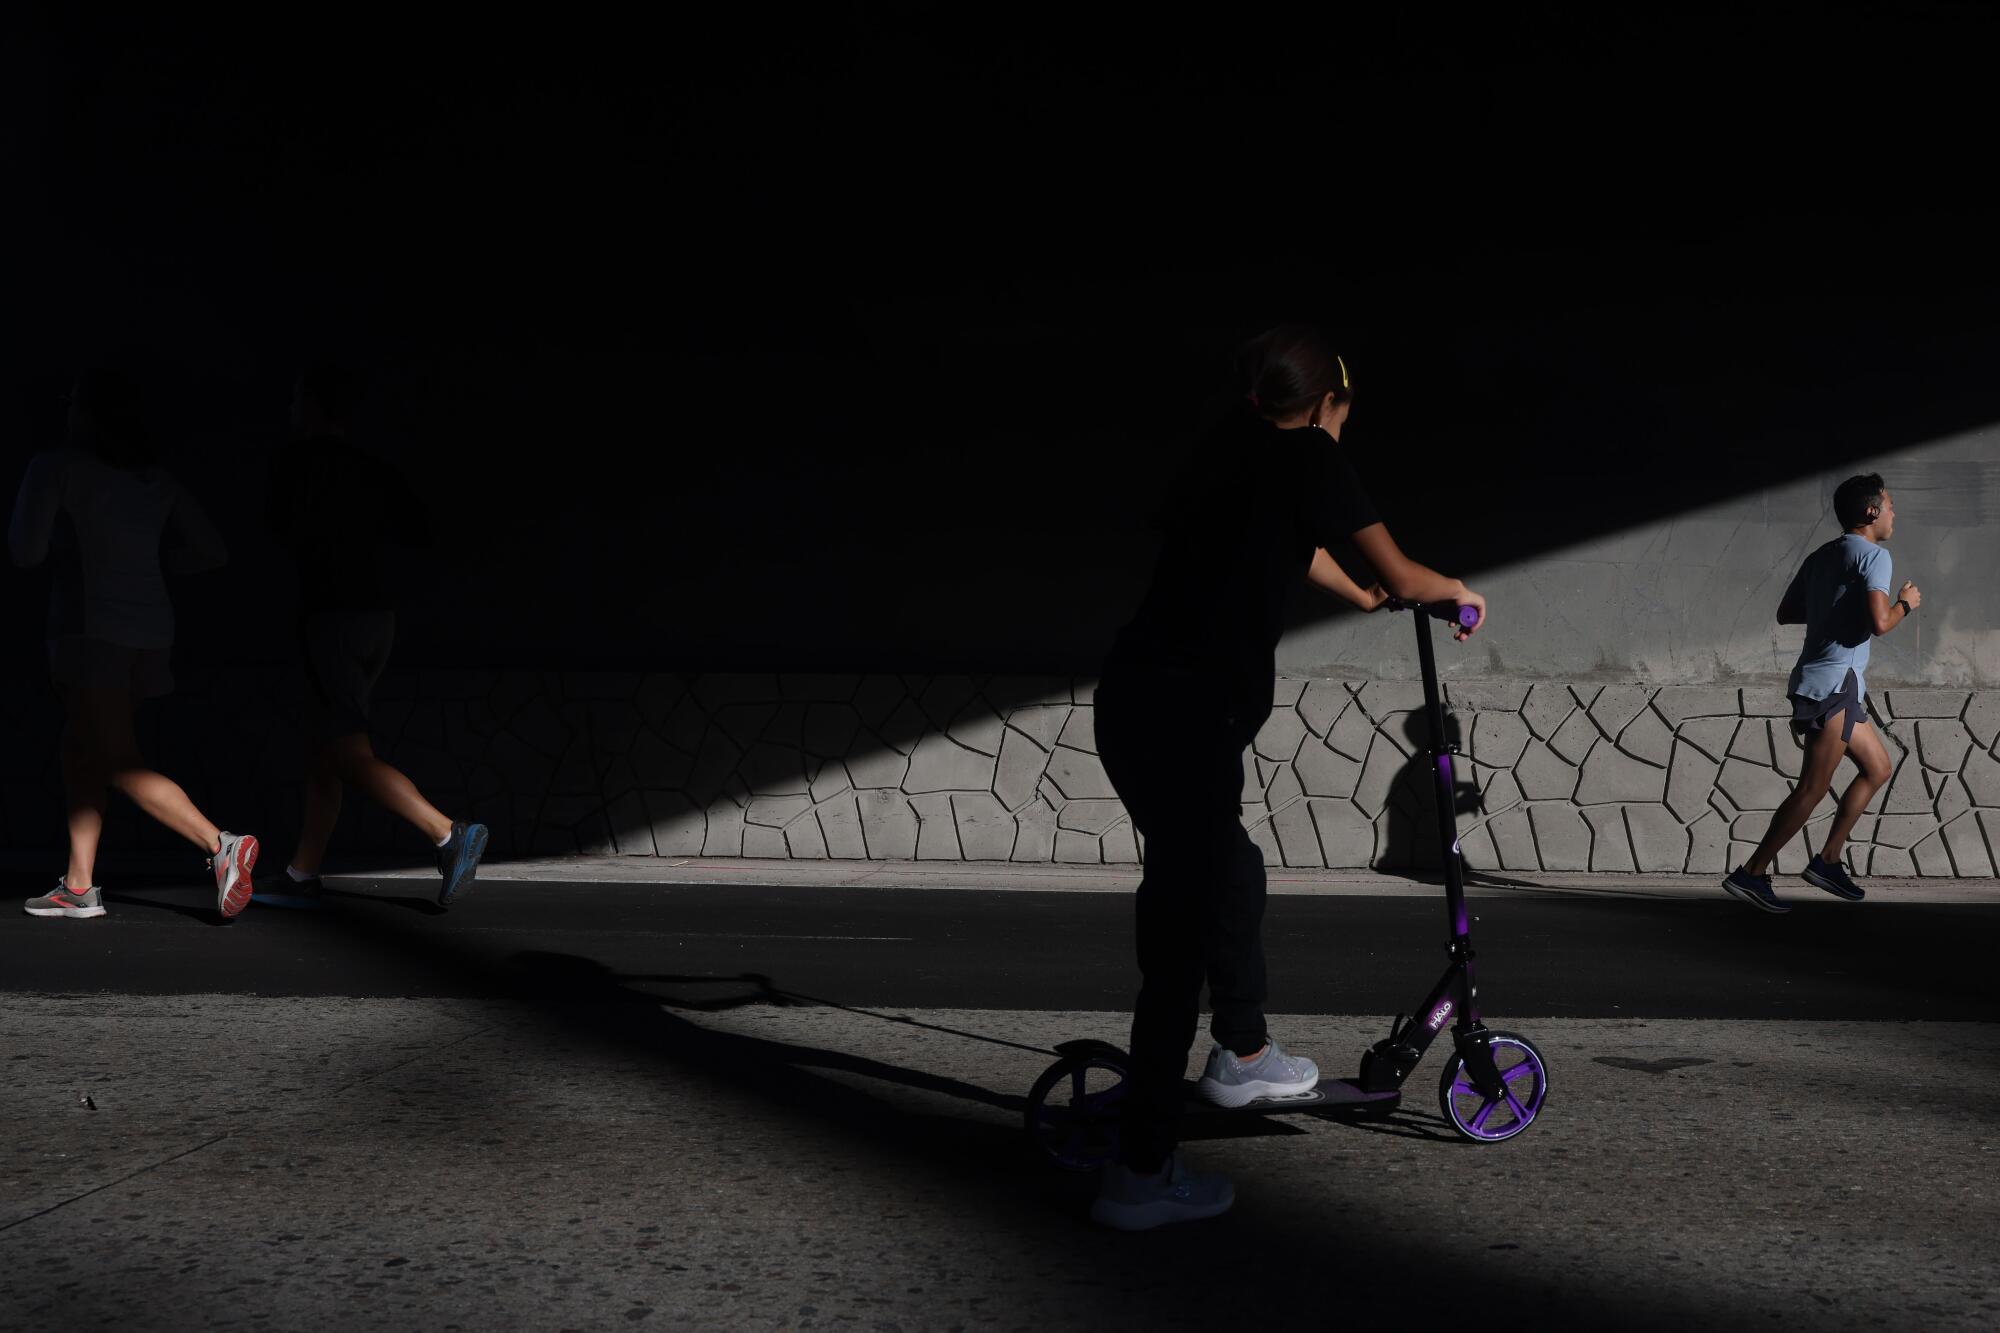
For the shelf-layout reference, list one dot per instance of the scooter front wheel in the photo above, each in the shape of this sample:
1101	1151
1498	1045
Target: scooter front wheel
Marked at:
1524	1091
1073	1109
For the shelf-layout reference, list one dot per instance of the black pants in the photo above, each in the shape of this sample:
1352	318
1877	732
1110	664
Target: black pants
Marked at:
1174	752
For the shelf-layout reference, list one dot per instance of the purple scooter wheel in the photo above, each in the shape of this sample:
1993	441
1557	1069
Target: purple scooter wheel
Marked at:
1073	1110
1524	1082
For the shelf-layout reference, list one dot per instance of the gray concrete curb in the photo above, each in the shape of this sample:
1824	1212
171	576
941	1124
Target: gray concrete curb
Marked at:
1121	879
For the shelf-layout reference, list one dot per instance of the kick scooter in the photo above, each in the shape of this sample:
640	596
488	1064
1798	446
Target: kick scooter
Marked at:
1493	1087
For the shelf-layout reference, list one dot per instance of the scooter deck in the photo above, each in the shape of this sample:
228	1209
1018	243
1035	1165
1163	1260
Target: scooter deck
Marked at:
1332	1094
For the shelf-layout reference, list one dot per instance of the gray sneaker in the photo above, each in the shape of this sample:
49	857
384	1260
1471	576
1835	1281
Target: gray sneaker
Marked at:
1132	1202
1228	1081
60	901
232	864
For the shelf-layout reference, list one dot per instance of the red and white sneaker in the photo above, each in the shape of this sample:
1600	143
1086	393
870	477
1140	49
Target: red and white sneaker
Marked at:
65	901
232	864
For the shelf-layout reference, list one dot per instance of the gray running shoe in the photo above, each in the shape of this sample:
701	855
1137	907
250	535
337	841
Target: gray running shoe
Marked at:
61	902
1132	1202
1228	1081
1832	876
232	864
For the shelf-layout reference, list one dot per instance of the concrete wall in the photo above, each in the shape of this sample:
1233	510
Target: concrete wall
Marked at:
922	432
1690	600
1622	712
1560	775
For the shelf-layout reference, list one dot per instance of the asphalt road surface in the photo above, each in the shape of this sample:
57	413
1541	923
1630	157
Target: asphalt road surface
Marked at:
1542	955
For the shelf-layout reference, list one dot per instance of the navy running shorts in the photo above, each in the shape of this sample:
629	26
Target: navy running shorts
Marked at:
1810	715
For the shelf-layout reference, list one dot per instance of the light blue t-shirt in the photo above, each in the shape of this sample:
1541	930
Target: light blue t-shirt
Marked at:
1834	583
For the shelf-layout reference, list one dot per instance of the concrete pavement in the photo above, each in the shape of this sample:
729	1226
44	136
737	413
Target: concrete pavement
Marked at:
483	1165
514	1124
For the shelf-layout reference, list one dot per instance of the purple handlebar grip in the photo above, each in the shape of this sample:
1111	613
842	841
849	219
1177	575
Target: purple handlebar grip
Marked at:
1468	616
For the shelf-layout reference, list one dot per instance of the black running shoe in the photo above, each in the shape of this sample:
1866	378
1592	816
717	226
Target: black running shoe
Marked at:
1833	878
1753	889
281	890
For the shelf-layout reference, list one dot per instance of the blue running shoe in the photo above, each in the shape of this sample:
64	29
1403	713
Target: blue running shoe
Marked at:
281	890
458	860
1833	878
1753	889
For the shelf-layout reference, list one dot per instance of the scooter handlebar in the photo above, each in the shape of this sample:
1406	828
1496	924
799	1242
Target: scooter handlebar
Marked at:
1451	613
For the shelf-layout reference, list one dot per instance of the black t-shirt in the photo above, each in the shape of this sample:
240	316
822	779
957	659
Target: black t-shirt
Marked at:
1242	522
337	509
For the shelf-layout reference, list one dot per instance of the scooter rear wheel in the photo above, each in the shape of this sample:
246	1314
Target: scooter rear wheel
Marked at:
1524	1079
1073	1109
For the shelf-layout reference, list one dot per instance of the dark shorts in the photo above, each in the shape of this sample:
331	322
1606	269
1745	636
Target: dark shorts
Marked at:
345	653
1809	715
79	663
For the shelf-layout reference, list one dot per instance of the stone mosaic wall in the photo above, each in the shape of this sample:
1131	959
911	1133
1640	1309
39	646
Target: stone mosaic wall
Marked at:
1555	777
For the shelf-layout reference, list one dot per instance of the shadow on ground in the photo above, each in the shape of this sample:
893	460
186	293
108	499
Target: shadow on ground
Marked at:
1174	1276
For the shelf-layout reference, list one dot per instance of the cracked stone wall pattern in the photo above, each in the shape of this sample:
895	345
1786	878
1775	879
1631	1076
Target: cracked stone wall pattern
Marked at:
1553	776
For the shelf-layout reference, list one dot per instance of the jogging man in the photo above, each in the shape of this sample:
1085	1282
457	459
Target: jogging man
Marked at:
337	508
1841	596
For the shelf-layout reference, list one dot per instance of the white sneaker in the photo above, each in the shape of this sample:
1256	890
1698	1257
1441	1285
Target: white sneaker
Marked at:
1132	1202
1228	1081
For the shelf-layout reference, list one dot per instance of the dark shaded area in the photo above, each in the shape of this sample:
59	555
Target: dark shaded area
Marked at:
600	1007
1545	952
861	341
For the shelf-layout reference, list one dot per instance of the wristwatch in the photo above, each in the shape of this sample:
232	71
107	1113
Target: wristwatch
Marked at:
1905	605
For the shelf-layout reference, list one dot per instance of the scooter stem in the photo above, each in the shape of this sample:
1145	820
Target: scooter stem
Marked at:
1440	753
